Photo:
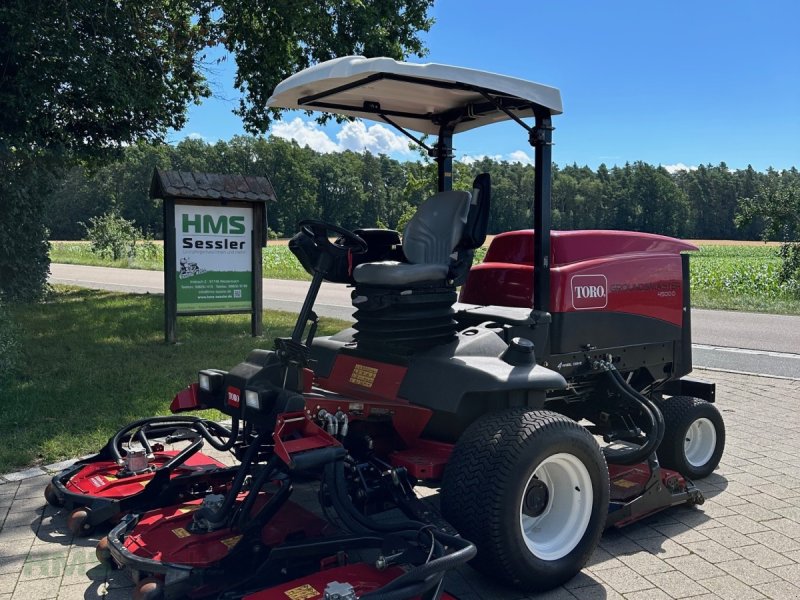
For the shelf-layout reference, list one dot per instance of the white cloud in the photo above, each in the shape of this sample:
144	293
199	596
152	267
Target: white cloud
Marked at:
471	159
678	167
196	136
355	136
520	156
305	133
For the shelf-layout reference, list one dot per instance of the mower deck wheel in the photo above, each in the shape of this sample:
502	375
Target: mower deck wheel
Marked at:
694	438
103	553
530	489
78	522
149	589
52	498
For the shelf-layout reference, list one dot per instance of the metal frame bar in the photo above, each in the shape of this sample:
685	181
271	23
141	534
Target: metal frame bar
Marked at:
541	138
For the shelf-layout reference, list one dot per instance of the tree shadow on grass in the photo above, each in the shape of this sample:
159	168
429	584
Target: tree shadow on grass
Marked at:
93	361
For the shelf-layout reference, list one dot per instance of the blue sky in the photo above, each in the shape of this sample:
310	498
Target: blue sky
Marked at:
671	83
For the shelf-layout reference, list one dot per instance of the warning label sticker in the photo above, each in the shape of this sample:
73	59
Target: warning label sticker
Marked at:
302	593
231	541
181	532
363	375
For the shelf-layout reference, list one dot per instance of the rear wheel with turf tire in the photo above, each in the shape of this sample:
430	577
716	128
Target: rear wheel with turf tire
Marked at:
530	489
694	438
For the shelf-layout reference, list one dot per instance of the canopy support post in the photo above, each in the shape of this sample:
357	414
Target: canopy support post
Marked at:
541	138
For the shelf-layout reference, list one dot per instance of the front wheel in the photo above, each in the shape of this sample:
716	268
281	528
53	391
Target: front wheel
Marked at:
694	438
530	489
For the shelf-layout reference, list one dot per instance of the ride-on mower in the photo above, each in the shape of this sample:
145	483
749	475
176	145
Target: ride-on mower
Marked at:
547	402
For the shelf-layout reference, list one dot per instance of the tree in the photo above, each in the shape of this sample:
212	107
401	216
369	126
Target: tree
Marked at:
274	39
81	78
78	79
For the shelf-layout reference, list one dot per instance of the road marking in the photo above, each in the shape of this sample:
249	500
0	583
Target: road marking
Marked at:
747	351
765	375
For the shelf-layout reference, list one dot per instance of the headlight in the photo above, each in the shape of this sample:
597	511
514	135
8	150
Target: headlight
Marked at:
252	400
210	380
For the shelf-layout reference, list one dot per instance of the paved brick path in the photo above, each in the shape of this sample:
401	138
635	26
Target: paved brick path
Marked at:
743	543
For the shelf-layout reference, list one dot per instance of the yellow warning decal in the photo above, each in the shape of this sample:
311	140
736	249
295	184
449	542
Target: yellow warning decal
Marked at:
188	508
231	541
302	593
181	532
624	483
363	375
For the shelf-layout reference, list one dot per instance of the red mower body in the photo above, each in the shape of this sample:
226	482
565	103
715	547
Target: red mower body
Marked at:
102	479
610	271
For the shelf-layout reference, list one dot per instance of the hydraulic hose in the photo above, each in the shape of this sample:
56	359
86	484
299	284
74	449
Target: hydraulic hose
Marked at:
115	442
428	574
215	518
255	487
334	478
220	432
651	413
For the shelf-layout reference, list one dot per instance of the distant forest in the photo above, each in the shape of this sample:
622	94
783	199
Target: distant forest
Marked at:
364	190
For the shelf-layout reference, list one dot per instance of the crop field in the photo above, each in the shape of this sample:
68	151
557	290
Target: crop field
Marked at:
724	275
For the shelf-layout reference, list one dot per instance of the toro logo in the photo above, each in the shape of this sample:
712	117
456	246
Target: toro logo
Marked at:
234	397
589	291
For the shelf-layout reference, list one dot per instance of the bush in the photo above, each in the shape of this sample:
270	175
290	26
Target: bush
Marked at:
113	236
24	262
9	344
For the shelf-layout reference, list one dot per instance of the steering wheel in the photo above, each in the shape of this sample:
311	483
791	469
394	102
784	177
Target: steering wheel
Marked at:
347	242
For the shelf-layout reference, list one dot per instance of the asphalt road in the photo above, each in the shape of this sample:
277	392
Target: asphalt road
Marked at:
731	341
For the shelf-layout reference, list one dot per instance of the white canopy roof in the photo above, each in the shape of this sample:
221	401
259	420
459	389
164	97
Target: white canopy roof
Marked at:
414	96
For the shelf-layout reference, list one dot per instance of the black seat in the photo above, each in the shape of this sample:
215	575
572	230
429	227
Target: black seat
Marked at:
405	306
428	243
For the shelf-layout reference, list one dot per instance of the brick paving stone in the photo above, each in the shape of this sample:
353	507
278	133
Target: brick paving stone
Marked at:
663	547
747	572
730	588
742	524
651	594
775	540
596	592
789	572
624	579
676	584
645	563
601	559
712	551
41	589
755	512
681	533
729	537
779	590
695	567
764	556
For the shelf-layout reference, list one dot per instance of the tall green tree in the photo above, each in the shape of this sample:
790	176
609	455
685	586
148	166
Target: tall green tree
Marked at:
81	78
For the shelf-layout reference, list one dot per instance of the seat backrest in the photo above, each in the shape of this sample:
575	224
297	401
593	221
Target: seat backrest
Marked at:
478	217
436	229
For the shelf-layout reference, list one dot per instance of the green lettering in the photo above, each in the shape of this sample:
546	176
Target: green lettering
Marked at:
236	225
186	222
215	227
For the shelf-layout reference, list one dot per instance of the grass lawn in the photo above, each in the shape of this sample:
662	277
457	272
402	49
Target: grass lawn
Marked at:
92	361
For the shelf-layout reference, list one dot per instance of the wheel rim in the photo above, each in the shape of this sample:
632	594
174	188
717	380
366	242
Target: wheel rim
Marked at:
700	441
558	528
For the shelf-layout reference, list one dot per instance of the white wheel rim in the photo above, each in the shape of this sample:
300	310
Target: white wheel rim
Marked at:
700	441
557	530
